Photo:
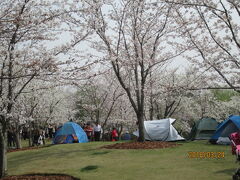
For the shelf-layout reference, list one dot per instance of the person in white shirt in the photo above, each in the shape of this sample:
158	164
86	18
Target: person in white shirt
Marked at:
97	131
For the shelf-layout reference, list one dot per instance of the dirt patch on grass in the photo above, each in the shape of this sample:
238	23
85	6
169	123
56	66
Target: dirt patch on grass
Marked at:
142	145
41	177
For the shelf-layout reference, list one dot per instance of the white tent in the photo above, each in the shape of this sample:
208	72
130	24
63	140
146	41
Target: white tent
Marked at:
160	130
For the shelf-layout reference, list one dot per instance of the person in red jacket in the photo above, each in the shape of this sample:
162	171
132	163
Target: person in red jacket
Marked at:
114	134
89	131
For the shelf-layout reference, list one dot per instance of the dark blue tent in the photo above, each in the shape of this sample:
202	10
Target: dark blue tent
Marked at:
126	136
230	125
70	132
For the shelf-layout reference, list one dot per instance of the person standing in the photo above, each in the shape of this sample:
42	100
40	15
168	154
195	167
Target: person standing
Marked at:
50	131
36	135
114	134
89	131
10	139
97	131
43	134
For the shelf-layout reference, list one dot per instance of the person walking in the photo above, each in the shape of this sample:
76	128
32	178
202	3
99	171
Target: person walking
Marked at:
97	131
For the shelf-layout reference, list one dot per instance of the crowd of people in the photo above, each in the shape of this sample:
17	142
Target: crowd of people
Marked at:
38	135
94	132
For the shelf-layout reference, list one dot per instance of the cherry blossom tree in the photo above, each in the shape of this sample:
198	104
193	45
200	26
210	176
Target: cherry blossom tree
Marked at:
97	99
30	49
41	106
135	37
18	33
212	31
164	94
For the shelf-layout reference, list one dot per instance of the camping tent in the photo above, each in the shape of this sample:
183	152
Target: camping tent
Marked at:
203	128
160	130
70	132
230	125
126	136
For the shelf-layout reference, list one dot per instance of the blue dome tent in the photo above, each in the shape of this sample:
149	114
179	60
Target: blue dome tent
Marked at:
230	125
70	132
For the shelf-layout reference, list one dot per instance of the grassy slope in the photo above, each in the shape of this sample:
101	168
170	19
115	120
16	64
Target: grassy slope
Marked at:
87	161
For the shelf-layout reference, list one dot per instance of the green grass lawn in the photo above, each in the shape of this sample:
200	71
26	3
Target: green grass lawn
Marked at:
86	161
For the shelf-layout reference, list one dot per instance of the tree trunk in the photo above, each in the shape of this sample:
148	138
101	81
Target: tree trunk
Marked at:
30	143
151	108
103	133
140	119
18	140
97	116
30	138
17	136
120	131
3	155
151	97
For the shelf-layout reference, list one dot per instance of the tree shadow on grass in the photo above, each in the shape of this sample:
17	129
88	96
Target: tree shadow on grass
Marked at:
101	153
89	168
226	171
